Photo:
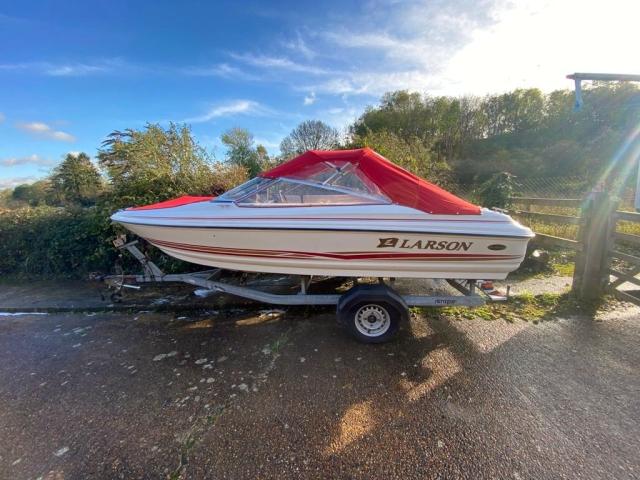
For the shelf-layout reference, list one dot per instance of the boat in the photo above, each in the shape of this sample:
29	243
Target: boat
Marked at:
340	213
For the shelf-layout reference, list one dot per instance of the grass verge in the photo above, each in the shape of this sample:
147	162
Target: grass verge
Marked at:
527	307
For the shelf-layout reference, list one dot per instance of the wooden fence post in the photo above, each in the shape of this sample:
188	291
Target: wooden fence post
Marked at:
590	275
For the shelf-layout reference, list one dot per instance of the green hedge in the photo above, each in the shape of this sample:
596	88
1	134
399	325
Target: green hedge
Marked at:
50	241
46	241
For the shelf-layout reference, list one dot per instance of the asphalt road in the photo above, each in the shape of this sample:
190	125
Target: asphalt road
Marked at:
269	396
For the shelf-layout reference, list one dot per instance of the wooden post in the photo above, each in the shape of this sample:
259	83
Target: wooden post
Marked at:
578	271
590	275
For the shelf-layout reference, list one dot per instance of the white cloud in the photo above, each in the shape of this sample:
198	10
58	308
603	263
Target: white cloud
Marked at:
28	160
279	63
310	99
8	19
268	144
569	36
74	69
8	67
222	70
338	117
298	45
2	117
15	181
43	130
373	83
235	107
362	40
336	86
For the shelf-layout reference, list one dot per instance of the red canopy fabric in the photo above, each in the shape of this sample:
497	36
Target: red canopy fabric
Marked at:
400	186
174	202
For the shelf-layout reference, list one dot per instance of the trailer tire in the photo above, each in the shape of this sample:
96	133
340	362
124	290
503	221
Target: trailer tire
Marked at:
372	313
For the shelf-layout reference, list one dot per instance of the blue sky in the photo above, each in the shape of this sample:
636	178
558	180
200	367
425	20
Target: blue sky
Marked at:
71	72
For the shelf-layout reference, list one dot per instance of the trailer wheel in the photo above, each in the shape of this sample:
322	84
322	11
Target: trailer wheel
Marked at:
372	313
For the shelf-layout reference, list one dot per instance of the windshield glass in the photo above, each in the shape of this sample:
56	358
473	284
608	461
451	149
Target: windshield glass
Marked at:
325	183
284	191
243	190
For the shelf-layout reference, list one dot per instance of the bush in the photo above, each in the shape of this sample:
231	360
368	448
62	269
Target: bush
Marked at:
497	191
57	242
51	241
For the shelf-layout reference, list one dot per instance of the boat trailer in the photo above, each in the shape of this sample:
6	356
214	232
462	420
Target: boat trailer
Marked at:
371	312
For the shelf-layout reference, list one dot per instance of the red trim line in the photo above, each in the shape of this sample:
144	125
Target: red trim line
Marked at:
333	255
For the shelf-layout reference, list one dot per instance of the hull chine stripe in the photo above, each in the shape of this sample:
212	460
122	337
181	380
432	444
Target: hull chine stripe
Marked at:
364	255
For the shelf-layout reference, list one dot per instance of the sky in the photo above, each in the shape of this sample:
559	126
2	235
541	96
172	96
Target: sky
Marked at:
72	72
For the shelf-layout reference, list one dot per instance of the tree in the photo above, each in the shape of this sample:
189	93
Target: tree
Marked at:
158	163
411	154
309	135
265	160
76	180
263	155
6	199
241	152
524	132
35	194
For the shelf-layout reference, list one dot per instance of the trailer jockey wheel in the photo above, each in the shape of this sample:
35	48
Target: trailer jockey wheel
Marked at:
372	313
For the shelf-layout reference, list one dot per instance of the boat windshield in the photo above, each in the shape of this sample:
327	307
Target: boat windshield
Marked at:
243	190
286	191
327	184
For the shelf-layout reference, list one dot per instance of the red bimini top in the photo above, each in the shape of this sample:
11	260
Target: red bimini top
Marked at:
399	185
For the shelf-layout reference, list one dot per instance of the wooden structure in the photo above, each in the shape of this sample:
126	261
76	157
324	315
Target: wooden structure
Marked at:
617	259
526	216
605	257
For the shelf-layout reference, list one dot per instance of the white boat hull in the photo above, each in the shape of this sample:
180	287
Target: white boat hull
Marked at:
339	252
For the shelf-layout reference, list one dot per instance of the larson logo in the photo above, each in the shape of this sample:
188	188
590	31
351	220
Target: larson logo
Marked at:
423	244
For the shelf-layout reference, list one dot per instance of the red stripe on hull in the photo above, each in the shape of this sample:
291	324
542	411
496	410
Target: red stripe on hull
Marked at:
238	252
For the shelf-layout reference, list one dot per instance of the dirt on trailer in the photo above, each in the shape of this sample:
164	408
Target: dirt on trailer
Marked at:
271	393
